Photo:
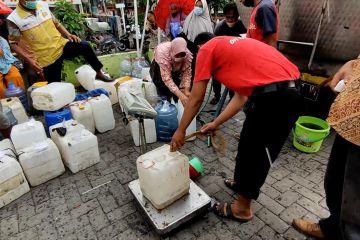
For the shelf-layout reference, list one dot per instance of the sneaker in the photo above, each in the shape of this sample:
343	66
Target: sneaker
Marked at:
214	101
308	227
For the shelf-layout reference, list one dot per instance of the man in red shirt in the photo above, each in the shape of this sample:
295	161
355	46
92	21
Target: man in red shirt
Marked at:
263	24
249	68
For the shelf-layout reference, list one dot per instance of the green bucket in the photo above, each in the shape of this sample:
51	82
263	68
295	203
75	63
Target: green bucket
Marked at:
309	133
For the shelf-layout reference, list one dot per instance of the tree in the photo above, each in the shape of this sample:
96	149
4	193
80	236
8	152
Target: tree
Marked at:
217	5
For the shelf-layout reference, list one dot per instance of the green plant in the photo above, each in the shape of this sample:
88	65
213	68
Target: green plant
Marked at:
71	19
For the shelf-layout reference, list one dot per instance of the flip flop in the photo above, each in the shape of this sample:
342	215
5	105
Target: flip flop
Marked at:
225	211
230	183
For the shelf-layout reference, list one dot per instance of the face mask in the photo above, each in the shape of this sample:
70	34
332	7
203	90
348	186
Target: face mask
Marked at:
198	11
248	3
179	59
30	5
230	25
173	14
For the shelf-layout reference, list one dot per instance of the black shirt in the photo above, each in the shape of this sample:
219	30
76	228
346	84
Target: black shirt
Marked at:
222	29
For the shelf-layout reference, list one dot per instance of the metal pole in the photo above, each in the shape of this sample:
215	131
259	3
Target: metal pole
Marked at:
159	31
317	33
142	136
145	20
122	12
136	28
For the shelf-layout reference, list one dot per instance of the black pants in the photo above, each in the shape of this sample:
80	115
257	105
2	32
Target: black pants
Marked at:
216	85
161	88
72	49
337	179
267	126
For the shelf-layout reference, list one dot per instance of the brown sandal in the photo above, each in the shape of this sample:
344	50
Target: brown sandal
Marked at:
225	211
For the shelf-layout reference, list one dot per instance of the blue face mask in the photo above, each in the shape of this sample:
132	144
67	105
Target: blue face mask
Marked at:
30	5
198	11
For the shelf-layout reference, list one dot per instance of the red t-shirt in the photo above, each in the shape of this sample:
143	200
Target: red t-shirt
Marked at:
242	64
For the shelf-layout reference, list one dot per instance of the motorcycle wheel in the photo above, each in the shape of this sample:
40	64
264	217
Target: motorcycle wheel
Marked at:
121	47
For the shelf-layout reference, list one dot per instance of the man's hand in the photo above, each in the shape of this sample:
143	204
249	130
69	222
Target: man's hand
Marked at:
177	141
73	38
343	73
184	99
1	53
211	126
186	92
36	67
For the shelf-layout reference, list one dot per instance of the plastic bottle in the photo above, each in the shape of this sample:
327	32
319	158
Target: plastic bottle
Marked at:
166	121
137	67
15	91
125	67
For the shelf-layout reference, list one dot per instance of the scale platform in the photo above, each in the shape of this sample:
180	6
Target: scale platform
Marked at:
164	221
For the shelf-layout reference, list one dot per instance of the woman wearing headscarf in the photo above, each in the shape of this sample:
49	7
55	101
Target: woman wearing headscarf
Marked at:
175	21
171	70
198	21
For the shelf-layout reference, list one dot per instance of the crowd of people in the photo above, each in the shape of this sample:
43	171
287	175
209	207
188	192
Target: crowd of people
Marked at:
245	60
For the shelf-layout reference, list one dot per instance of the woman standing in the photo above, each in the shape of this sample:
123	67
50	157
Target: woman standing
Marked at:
151	29
175	21
198	21
171	70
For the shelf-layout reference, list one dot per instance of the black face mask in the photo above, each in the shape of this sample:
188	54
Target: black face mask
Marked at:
173	14
249	3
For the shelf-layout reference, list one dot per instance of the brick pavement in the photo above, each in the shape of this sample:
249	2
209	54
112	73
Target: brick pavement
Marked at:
63	209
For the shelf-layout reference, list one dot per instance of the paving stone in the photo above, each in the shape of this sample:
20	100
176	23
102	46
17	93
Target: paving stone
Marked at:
284	185
40	194
212	189
301	180
272	220
279	174
293	212
204	224
222	232
72	199
9	226
84	208
60	212
122	212
43	217
107	202
270	191
288	198
112	230
292	234
267	233
26	235
98	219
127	235
71	227
270	180
307	193
46	231
245	230
269	203
184	235
316	176
313	207
123	176
86	233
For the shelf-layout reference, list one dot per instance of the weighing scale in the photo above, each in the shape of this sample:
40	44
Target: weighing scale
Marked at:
185	208
195	203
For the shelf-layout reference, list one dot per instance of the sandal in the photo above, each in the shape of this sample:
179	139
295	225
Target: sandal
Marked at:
230	183
225	211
